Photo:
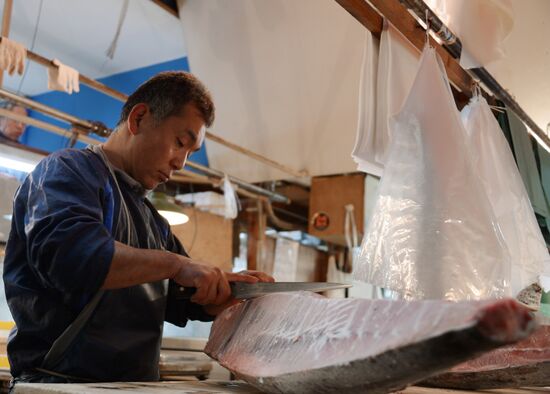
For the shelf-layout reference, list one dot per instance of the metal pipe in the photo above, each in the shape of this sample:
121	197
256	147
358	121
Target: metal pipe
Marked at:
92	83
245	185
73	120
452	43
280	222
44	125
83	123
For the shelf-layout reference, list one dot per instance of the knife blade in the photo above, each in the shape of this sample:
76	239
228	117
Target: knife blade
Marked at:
243	290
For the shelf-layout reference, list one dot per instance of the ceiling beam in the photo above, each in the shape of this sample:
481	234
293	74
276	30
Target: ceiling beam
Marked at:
403	21
167	8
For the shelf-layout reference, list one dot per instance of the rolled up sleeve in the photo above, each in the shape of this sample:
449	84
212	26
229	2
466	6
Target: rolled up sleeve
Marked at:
68	245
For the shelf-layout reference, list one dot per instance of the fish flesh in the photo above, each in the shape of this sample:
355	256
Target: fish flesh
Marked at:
305	343
524	364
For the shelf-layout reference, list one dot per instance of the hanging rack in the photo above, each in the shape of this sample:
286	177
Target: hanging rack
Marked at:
395	11
83	135
98	86
453	45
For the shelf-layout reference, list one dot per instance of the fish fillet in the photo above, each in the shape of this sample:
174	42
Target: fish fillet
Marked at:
306	343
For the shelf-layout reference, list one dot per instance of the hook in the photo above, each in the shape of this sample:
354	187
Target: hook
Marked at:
427	27
476	89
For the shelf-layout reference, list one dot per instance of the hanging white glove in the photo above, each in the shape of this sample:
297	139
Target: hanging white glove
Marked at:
12	56
63	78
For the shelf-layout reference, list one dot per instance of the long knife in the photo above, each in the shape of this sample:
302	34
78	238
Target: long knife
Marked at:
243	290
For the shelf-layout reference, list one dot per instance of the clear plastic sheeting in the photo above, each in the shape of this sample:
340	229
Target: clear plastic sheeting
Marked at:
285	266
387	73
433	234
481	25
231	200
502	181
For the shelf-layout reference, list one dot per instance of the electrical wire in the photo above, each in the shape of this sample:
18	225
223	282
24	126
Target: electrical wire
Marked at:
32	46
195	223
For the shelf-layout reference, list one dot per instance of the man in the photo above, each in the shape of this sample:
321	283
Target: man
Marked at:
11	130
91	266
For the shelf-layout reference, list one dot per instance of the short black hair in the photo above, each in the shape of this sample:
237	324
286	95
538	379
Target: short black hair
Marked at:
167	92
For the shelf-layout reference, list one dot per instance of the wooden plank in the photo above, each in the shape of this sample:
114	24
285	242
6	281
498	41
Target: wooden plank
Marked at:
166	8
209	387
365	14
207	237
426	390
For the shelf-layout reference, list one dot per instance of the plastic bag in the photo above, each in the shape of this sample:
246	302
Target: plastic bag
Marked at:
497	169
231	200
384	84
433	233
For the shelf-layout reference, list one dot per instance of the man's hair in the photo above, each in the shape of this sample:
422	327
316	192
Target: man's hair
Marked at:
167	92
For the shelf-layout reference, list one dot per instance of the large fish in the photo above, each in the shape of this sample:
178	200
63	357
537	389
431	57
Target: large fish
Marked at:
524	364
305	343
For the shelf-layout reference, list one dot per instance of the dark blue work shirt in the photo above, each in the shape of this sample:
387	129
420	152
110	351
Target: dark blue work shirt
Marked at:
67	215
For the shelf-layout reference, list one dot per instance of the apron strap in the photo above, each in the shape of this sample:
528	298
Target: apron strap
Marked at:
65	340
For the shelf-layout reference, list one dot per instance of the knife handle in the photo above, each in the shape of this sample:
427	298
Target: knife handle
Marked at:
185	293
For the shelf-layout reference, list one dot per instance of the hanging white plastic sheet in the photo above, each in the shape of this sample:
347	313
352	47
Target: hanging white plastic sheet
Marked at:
481	25
502	181
364	152
231	199
433	233
285	265
387	73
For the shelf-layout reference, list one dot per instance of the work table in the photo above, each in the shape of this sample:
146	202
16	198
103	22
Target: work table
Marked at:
207	387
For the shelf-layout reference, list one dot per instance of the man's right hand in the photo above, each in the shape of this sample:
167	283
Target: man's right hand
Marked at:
212	283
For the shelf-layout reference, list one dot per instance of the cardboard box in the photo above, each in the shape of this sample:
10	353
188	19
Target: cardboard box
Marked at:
328	198
207	237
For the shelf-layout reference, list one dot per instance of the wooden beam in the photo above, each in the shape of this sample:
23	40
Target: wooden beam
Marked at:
403	21
6	20
166	8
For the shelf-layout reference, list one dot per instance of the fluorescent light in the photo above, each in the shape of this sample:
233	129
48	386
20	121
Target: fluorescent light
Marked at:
7	217
18	165
174	218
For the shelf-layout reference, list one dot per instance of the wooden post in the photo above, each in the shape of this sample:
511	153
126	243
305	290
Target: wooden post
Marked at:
6	19
256	225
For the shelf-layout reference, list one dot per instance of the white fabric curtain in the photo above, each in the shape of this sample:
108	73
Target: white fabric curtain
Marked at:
283	75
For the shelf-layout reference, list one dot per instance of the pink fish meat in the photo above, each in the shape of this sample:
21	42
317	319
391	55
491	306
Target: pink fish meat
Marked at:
305	343
524	364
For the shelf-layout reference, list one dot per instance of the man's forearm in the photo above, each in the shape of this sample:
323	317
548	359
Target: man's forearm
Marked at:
132	266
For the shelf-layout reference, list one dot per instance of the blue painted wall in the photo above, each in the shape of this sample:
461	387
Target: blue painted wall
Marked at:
93	105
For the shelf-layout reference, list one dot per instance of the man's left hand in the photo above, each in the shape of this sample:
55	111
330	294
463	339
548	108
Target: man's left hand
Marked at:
214	310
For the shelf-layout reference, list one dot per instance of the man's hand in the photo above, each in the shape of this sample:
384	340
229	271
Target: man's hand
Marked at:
262	276
212	284
214	310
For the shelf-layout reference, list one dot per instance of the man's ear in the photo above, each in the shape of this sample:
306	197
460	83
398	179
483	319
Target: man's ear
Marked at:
137	113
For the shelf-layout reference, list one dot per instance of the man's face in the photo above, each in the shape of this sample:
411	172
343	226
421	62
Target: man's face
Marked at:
12	128
158	150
